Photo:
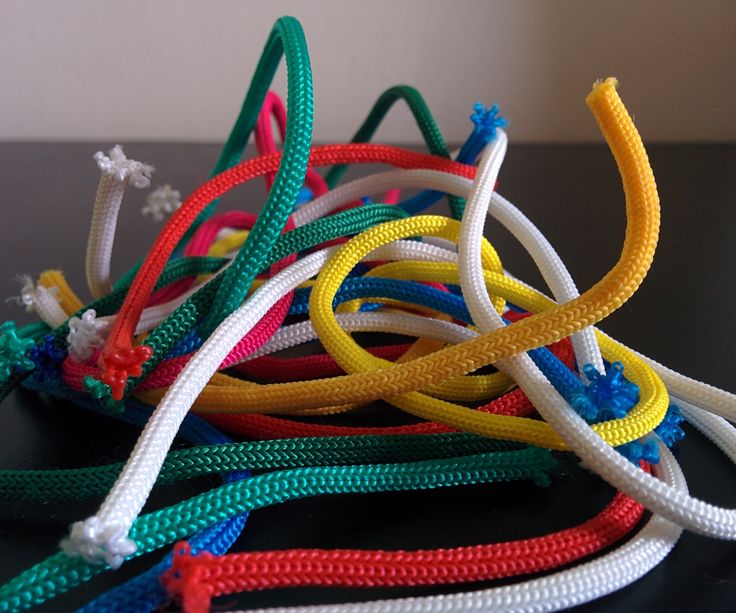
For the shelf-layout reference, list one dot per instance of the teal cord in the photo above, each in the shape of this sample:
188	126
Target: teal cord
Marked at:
425	121
60	572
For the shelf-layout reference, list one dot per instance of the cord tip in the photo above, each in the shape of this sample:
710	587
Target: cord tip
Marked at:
98	543
602	88
486	120
121	363
86	334
117	165
14	352
162	201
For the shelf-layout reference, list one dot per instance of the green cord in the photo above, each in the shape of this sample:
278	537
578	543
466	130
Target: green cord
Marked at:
93	481
187	266
286	38
427	126
164	337
175	270
60	573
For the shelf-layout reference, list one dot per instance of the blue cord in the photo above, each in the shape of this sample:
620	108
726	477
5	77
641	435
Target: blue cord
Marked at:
609	396
413	292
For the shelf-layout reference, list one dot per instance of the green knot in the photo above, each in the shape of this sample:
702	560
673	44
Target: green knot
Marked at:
102	392
14	352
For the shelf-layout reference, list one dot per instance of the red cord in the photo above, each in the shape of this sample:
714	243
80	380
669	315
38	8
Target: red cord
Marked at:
513	403
198	578
118	359
272	369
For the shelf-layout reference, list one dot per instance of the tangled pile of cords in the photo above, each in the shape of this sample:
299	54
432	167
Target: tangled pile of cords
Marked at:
501	381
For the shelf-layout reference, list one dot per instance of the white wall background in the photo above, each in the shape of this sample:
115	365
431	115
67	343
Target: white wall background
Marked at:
178	69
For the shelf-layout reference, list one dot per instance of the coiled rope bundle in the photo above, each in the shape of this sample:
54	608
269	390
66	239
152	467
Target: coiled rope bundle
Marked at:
502	382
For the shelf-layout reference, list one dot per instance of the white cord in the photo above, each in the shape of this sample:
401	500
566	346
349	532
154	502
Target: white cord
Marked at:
104	536
41	300
116	172
553	270
302	332
680	508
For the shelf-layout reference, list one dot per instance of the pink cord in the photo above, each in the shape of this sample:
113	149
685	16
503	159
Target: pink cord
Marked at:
74	372
199	245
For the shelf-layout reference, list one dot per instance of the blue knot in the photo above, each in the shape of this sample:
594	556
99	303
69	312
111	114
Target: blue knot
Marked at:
486	121
609	396
14	352
366	200
47	357
669	430
644	449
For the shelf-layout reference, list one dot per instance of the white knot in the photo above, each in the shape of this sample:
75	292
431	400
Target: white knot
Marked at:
161	201
98	543
86	334
32	295
117	165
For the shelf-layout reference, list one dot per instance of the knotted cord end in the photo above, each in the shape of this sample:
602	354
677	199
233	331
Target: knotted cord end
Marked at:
486	121
119	364
14	352
607	396
98	543
184	579
115	164
47	357
86	334
161	201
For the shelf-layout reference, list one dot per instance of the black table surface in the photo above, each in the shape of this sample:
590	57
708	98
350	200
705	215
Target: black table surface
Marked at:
681	316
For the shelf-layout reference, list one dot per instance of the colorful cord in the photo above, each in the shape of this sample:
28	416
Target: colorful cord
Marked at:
493	364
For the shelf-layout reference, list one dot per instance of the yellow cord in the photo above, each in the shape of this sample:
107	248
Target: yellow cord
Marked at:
642	208
375	379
